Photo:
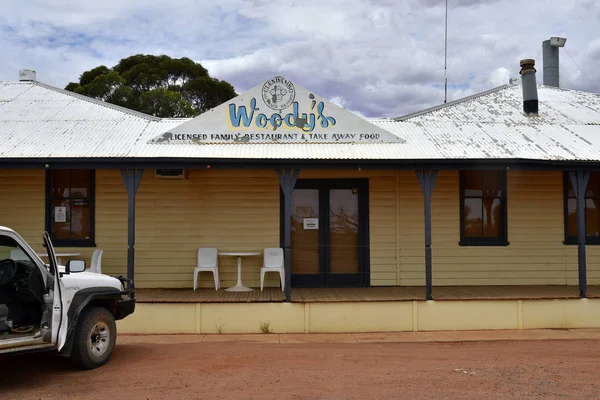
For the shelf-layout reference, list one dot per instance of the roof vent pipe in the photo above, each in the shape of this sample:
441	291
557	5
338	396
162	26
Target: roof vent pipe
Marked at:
551	70
26	75
529	84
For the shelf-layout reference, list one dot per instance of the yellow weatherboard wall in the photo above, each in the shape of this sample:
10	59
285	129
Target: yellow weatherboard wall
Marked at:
233	210
230	210
239	210
536	254
22	207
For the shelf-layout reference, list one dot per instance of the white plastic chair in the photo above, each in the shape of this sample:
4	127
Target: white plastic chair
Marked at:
273	262
207	261
96	265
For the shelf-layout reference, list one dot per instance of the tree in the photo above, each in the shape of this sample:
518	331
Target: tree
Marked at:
157	85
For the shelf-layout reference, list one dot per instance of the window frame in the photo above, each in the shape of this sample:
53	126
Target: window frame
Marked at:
572	240
484	241
91	242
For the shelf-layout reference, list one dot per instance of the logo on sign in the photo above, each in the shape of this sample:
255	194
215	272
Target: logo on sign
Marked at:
278	93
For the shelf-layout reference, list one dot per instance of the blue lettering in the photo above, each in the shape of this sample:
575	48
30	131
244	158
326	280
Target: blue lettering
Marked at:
325	121
261	120
235	115
275	121
291	118
307	122
310	122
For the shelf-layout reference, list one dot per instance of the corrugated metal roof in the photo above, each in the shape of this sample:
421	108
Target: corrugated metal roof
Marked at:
37	121
10	90
497	141
100	138
424	141
505	105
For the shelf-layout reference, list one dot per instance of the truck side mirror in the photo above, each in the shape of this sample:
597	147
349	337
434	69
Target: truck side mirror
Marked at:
75	266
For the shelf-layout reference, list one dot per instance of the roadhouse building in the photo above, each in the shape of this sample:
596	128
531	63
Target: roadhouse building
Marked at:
493	200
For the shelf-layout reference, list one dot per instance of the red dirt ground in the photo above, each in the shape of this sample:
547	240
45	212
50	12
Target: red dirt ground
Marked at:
554	369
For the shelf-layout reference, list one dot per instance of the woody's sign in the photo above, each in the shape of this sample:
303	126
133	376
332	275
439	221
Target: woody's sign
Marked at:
277	111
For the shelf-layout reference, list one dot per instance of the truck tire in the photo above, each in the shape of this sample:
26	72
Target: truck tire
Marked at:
95	337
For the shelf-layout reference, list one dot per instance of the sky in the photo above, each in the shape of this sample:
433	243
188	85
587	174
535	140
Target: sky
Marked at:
377	58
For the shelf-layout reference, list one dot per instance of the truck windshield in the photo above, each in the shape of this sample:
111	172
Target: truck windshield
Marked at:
9	248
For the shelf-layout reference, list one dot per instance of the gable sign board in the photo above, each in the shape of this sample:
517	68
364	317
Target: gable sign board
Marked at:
277	111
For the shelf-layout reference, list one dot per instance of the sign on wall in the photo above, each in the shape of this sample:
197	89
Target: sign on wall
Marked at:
310	223
60	214
277	111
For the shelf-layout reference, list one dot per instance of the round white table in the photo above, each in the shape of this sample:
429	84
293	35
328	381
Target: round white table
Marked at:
239	287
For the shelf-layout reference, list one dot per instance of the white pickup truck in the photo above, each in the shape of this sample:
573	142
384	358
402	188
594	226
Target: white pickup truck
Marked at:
44	306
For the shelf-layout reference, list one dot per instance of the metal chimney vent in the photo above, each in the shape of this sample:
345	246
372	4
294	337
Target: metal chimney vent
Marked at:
529	85
26	75
551	60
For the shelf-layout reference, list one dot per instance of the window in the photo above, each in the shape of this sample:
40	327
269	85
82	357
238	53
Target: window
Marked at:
483	208
592	210
70	207
9	248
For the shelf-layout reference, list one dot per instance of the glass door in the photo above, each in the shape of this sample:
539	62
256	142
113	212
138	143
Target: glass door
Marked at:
343	245
330	233
306	242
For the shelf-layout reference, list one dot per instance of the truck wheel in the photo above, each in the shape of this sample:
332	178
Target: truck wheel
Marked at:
94	339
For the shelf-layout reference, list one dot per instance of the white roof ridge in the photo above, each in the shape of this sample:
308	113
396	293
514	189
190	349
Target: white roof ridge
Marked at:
451	103
99	102
430	110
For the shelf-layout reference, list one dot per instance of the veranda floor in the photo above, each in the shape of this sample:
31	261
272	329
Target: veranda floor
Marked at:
395	293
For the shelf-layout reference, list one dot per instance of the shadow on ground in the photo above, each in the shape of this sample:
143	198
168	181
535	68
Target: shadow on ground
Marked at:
21	371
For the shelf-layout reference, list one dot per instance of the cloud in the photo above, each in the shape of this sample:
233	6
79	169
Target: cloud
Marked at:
453	4
375	57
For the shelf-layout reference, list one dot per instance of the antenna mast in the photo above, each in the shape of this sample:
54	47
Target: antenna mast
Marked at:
446	56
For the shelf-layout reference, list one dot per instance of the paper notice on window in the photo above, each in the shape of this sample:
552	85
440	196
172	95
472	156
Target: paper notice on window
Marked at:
60	214
311	223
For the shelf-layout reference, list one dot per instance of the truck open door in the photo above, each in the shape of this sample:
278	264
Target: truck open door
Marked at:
59	307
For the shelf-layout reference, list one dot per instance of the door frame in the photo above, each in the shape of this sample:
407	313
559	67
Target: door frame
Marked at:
363	230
